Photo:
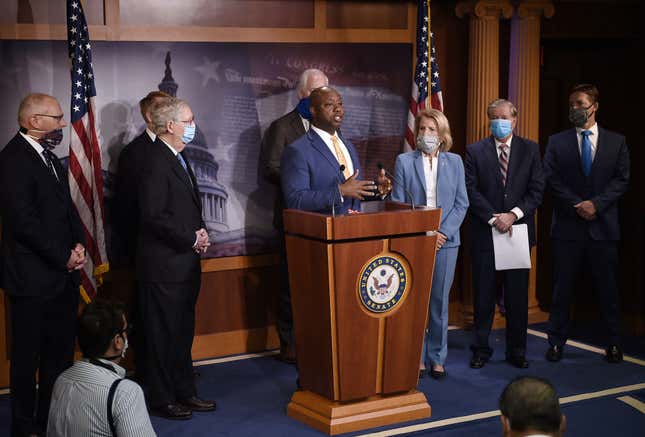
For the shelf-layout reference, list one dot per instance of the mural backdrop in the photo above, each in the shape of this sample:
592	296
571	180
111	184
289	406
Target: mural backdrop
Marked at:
235	91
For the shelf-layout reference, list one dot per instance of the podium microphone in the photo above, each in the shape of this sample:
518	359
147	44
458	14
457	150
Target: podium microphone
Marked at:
398	181
341	169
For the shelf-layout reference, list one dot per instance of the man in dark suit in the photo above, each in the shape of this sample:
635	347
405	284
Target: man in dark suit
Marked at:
132	160
320	170
588	171
170	241
282	132
505	183
42	251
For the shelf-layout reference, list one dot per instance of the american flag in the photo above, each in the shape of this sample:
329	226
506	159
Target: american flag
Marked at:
426	72
85	177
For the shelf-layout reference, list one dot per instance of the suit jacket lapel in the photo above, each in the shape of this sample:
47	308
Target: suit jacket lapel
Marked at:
442	163
573	152
296	124
193	179
601	152
318	144
353	153
517	153
177	169
418	167
58	183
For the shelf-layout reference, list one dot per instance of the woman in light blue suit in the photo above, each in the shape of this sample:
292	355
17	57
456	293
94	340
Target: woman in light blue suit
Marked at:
435	177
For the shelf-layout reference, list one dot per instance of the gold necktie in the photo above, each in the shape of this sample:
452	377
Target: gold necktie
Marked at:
340	156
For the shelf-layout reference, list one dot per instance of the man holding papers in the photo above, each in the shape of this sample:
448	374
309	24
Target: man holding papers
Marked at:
505	182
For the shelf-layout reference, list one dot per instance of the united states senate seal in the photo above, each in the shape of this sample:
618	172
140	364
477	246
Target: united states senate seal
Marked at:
383	283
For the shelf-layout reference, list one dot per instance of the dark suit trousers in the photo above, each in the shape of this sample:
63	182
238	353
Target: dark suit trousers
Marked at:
167	311
285	313
571	260
485	285
43	334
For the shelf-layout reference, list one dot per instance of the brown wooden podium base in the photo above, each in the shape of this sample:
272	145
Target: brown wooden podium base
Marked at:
340	417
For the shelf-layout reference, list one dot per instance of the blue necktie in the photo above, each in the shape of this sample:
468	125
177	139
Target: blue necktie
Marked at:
183	164
585	151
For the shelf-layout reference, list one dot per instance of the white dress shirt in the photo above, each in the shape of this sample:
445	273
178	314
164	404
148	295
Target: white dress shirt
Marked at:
306	123
430	172
151	134
593	138
517	211
326	137
79	403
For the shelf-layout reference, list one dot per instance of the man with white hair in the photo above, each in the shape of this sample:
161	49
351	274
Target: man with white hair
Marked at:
171	237
282	132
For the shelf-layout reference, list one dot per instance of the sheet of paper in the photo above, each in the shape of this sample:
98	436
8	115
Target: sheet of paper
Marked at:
512	252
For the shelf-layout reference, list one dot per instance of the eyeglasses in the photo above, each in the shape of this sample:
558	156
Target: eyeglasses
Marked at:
57	117
189	122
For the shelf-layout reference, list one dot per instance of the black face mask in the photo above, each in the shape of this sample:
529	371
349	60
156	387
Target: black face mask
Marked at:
50	140
579	116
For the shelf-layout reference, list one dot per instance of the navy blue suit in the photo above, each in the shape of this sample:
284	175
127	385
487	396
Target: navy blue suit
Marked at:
487	196
311	175
578	244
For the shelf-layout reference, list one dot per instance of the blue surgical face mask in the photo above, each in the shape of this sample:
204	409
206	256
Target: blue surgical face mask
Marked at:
501	128
303	108
189	133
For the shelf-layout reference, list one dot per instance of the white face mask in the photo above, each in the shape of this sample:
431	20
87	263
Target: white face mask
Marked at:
428	143
125	347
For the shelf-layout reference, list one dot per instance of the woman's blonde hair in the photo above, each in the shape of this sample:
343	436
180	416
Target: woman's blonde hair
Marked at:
443	127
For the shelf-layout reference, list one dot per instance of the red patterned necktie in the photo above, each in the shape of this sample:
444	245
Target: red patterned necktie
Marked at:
503	162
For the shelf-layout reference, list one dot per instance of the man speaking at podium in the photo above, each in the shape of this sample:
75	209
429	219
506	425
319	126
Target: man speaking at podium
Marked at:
320	170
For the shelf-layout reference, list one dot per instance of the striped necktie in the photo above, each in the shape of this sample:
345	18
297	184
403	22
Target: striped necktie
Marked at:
503	162
50	163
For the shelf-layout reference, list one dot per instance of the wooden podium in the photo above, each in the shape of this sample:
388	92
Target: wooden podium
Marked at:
360	287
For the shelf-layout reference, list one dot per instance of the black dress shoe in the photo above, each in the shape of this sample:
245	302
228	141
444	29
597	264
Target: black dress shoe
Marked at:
614	354
437	374
477	361
554	353
173	412
194	403
519	362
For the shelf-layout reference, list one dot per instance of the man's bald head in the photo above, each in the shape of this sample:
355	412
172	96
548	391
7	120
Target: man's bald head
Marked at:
321	93
326	109
36	103
40	113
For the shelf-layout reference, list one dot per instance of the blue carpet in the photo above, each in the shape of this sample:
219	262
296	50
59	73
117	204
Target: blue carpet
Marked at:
252	394
596	417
